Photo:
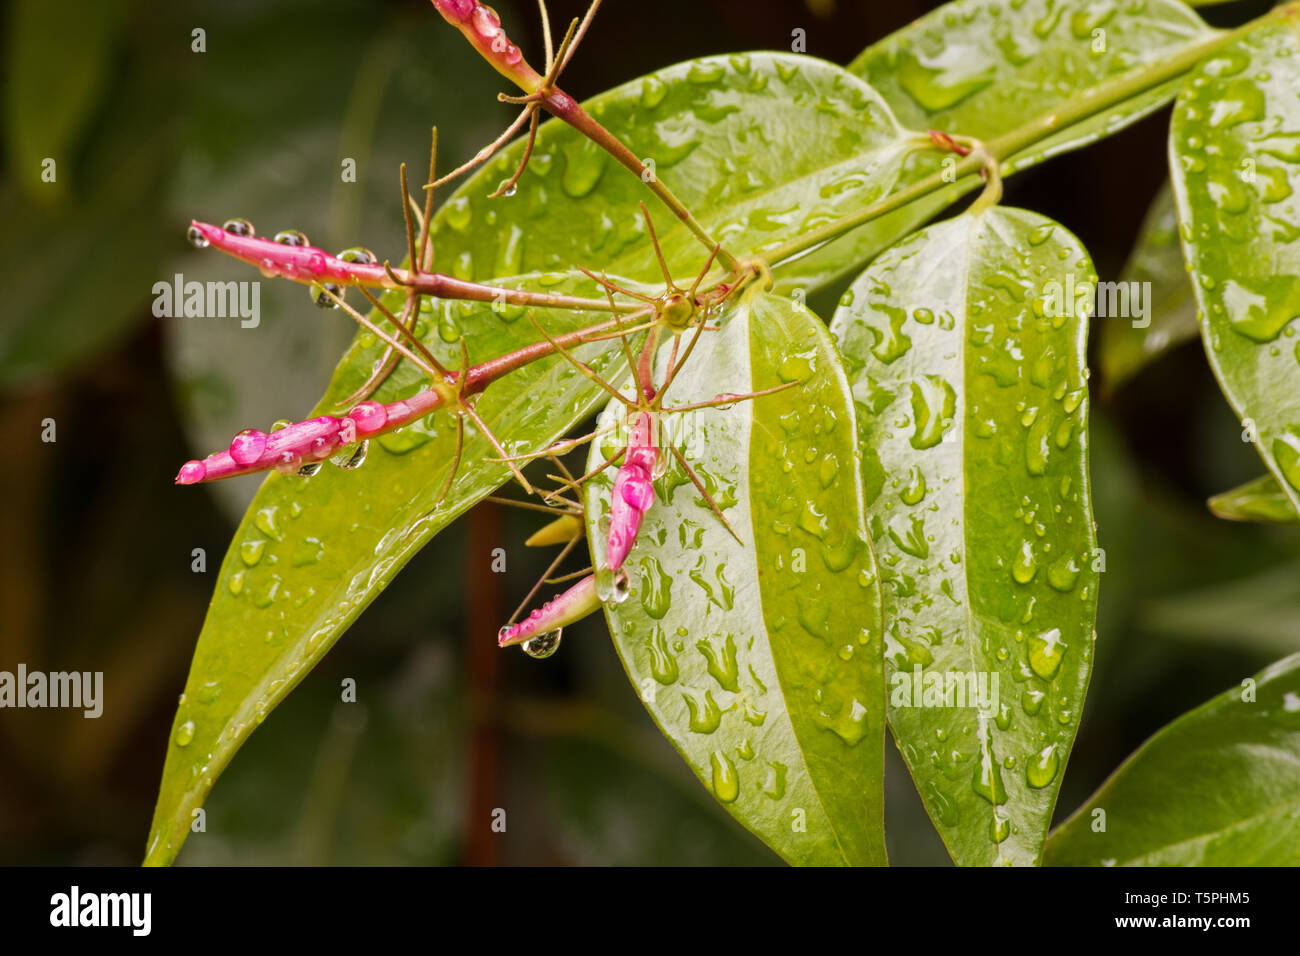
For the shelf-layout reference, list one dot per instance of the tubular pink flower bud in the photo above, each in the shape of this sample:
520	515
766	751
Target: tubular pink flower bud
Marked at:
634	493
308	441
482	27
573	605
300	262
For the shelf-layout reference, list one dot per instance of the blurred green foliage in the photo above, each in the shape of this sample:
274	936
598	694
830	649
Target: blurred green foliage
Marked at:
96	569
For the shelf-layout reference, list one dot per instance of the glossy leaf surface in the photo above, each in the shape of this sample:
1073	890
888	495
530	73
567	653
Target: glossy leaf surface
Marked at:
1217	787
966	358
761	660
1235	157
983	68
760	147
312	553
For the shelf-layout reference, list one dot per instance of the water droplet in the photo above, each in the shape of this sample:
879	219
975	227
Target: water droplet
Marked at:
196	237
726	782
1000	828
914	491
250	552
934	404
653	91
583	169
663	665
656	587
1023	565
543	646
987	782
1045	653
704	715
238	227
325	294
1063	575
184	734
248	446
350	458
722	666
291	237
359	255
1041	770
941	82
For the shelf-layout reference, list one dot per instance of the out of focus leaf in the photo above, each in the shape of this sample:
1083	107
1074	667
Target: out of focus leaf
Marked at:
1128	344
1260	500
1217	787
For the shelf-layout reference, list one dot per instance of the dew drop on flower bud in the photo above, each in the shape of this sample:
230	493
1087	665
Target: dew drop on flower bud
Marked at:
196	237
306	471
359	255
543	645
247	447
351	458
291	237
611	587
288	463
238	227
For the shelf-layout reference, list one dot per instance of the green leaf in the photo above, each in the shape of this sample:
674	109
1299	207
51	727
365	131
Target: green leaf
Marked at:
58	68
1217	787
968	374
760	147
311	554
983	68
1260	500
1235	156
800	141
1257	613
1129	345
761	661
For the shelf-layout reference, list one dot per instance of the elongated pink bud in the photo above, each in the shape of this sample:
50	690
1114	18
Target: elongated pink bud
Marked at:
290	256
634	493
482	27
303	443
573	605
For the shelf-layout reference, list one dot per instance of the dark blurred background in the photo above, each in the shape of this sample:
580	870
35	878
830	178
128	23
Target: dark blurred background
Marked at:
95	568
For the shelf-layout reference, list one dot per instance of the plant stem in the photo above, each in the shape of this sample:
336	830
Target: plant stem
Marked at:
483	30
1103	97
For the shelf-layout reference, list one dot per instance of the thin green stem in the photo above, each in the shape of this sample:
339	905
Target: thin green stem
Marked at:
1104	97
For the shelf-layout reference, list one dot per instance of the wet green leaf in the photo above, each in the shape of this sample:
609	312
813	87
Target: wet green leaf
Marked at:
1130	341
806	139
982	68
760	147
966	358
1260	500
1235	156
1217	787
761	661
311	554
